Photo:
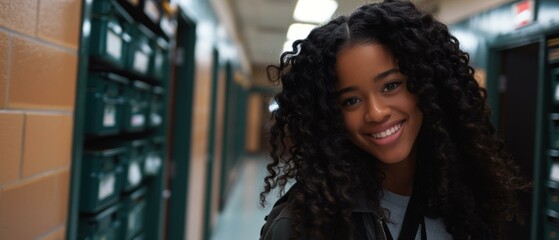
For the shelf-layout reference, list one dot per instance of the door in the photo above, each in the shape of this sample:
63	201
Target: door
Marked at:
517	118
180	128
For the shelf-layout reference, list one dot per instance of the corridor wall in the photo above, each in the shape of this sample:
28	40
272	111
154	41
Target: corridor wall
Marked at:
219	107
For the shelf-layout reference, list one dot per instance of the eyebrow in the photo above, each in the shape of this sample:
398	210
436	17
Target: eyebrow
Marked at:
385	74
377	78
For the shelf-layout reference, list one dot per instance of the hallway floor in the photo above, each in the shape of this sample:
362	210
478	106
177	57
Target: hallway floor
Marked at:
242	216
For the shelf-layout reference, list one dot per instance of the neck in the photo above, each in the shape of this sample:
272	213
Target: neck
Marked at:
399	177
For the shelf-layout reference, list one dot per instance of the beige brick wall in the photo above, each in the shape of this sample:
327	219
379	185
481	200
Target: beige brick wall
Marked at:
254	121
199	139
38	73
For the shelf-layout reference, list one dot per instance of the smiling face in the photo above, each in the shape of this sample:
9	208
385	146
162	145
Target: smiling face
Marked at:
380	114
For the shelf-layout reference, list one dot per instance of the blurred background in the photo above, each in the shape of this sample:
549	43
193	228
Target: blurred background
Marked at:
147	119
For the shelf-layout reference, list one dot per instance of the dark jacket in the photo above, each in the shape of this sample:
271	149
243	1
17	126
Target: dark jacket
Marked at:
279	223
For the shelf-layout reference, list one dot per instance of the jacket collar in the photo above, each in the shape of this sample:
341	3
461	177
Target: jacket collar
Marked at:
361	203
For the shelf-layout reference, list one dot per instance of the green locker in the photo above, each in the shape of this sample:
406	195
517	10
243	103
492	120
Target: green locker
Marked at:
105	97
152	10
553	165
160	65
101	178
136	108
551	225
134	214
140	56
120	104
553	195
551	211
154	159
109	41
140	237
133	165
156	107
554	133
555	84
104	226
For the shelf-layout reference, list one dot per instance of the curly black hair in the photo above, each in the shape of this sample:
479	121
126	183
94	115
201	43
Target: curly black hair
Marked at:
471	181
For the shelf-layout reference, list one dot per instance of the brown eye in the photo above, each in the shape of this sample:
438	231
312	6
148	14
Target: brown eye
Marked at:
350	102
391	86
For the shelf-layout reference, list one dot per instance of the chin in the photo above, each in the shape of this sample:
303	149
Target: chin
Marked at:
391	159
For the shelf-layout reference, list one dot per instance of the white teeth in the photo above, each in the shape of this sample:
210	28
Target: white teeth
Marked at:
387	132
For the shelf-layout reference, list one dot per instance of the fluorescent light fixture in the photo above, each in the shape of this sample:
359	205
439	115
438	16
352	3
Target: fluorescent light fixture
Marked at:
287	46
299	31
314	11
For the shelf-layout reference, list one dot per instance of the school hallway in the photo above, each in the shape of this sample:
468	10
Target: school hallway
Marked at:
242	216
150	119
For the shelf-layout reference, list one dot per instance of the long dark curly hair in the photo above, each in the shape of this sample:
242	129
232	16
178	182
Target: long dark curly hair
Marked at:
470	180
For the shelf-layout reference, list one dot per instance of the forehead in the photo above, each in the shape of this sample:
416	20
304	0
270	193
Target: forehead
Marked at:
363	62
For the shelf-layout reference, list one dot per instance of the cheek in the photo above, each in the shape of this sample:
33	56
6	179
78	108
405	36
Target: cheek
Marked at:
418	120
351	121
413	108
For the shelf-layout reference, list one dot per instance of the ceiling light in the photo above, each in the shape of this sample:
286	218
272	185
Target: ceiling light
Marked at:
287	46
314	11
296	31
299	31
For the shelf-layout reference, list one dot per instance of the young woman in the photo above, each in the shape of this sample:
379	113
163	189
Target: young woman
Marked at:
386	134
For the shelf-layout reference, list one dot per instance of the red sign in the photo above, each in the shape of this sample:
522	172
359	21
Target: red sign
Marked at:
523	13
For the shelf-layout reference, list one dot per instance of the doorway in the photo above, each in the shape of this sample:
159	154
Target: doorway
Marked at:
517	119
181	105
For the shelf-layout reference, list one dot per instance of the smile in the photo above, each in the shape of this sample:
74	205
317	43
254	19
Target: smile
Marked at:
387	132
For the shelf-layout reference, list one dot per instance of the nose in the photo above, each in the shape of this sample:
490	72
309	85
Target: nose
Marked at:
377	110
